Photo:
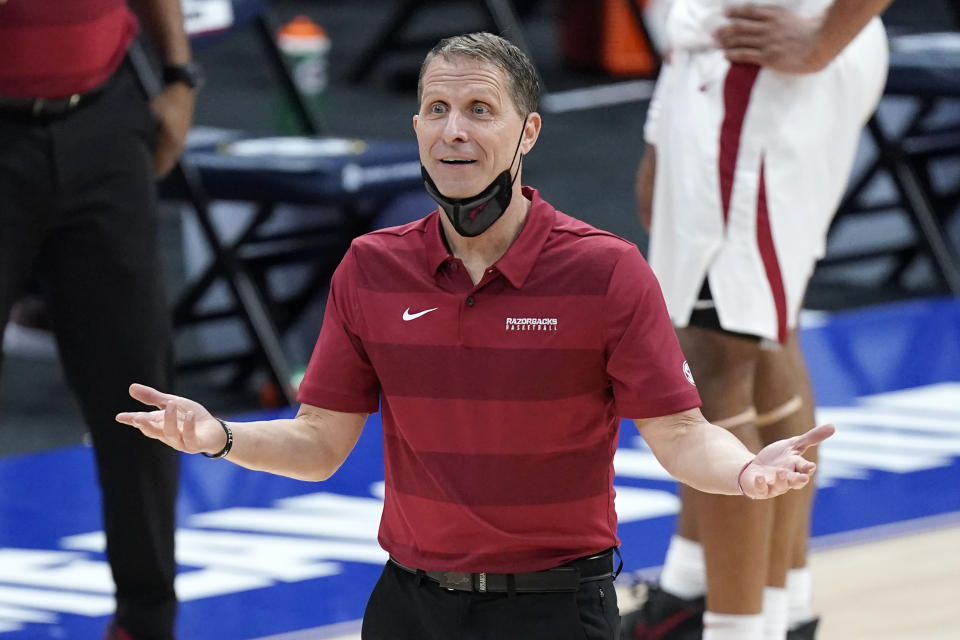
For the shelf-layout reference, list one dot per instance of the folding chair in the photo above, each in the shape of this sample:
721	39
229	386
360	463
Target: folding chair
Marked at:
351	180
347	183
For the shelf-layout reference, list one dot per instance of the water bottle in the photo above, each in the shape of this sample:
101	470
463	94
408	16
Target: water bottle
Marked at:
305	46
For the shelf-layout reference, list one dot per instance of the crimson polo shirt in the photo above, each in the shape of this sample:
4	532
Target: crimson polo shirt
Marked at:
55	48
500	401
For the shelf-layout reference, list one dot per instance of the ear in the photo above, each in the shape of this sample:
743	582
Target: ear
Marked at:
531	131
415	119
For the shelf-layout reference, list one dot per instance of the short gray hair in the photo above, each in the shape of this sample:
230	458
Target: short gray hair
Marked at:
524	81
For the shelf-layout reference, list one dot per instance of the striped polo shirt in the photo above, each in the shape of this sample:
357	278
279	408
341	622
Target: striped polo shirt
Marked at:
55	48
500	401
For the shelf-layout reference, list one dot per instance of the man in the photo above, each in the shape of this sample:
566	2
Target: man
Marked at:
80	147
751	137
501	340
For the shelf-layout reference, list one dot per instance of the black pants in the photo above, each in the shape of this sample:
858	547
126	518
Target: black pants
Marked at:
405	607
78	211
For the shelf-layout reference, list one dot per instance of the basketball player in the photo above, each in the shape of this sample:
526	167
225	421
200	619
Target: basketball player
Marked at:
751	134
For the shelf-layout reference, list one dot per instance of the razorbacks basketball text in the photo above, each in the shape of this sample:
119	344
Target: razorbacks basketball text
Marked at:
531	324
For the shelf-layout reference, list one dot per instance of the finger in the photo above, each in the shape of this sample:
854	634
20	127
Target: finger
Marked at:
171	429
744	56
813	437
750	12
741	41
189	432
759	486
135	418
149	395
805	466
797	480
126	417
779	484
147	427
741	28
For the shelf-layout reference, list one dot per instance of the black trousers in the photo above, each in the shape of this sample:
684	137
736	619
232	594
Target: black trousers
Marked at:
78	211
405	607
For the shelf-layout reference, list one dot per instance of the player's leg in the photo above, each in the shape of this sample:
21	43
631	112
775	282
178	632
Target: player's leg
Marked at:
779	399
786	408
734	531
721	541
684	573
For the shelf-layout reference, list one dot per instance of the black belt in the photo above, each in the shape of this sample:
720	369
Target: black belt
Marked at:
39	107
566	577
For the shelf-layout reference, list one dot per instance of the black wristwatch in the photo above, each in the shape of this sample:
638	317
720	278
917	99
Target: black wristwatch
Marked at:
188	74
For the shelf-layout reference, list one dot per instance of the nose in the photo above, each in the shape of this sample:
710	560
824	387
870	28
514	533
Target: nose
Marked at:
454	128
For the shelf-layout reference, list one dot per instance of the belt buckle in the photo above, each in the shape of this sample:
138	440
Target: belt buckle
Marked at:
37	107
459	581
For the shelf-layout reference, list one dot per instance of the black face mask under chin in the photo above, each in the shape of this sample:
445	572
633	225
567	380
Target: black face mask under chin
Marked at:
473	215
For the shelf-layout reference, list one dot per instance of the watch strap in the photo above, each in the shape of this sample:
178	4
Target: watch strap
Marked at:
188	74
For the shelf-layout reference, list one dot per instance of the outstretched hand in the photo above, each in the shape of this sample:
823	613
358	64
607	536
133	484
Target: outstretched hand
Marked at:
179	422
780	466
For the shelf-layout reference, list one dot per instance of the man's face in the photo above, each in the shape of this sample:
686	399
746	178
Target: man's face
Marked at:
468	126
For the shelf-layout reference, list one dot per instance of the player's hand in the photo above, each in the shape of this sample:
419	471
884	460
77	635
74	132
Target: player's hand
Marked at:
780	466
173	110
772	37
179	422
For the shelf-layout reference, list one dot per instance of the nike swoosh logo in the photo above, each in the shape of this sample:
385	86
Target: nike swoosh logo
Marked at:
413	316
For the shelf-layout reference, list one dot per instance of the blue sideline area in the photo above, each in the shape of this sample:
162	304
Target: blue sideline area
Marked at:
262	555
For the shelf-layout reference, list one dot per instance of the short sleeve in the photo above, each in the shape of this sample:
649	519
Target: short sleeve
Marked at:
340	376
648	372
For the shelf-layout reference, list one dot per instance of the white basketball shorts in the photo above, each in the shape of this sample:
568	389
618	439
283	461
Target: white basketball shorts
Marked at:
751	166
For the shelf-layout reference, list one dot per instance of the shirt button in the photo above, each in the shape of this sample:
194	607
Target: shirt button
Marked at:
470	301
453	266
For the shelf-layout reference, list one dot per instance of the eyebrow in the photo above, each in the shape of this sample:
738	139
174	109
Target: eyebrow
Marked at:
488	98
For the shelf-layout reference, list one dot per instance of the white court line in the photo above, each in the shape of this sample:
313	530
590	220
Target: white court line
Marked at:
349	630
885	531
598	96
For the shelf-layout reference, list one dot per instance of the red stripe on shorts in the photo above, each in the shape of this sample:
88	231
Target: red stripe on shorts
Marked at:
736	96
768	253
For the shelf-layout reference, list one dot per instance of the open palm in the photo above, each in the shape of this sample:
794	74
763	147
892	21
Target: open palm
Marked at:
179	422
780	466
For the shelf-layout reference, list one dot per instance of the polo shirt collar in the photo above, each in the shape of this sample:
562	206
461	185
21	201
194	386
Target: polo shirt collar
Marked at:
518	261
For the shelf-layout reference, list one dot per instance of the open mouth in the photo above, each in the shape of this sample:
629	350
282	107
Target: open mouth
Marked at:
455	161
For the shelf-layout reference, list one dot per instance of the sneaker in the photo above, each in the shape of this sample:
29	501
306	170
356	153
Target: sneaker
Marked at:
116	632
805	631
664	617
